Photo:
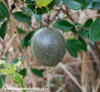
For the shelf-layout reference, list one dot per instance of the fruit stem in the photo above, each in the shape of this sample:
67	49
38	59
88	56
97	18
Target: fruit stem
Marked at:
48	10
48	17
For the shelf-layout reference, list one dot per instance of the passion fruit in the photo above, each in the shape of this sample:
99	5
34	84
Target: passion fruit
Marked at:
48	46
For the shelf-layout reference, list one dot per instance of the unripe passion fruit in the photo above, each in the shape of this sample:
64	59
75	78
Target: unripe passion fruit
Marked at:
48	46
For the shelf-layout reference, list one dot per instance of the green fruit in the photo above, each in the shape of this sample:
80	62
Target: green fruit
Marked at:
48	46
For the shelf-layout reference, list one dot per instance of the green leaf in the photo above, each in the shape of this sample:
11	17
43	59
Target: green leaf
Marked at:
73	46
19	79
72	50
23	72
22	57
4	10
3	29
88	23
20	48
75	43
2	18
18	64
27	11
6	54
87	2
74	29
58	2
32	7
78	24
94	33
28	26
84	32
84	44
37	72
28	2
21	31
38	18
95	5
4	66
13	79
14	61
27	39
74	4
3	63
6	71
63	25
2	79
21	17
11	69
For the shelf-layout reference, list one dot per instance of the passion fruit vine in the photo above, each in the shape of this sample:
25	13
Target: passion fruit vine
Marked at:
48	46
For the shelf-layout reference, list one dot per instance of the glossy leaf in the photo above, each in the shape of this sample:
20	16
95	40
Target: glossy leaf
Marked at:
84	33
23	72
32	7
84	44
87	2
95	5
21	31
78	24
38	18
3	29
20	48
58	2
4	10
27	10
6	54
37	72
22	57
88	23
2	18
94	33
72	50
28	2
27	39
21	17
28	26
74	4
75	43
74	29
63	25
14	61
73	46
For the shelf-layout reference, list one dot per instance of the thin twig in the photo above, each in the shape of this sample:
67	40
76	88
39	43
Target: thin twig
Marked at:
48	79
70	75
97	87
83	75
9	43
